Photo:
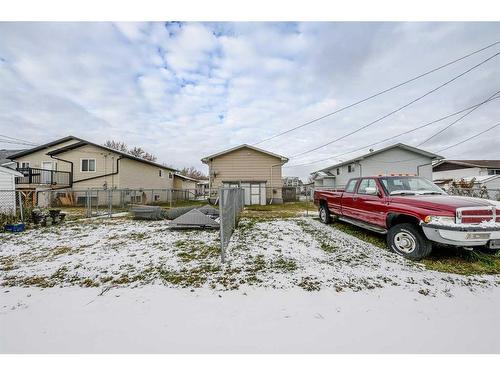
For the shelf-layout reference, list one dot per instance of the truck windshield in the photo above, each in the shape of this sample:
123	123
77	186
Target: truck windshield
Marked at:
406	185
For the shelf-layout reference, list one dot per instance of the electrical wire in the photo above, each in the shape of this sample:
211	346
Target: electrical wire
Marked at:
379	93
399	108
397	135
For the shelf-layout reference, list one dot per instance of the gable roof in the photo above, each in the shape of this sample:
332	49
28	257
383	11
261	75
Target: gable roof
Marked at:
4	155
207	158
81	143
185	177
397	145
472	163
10	171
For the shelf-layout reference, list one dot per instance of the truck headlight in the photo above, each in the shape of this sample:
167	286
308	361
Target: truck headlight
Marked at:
440	220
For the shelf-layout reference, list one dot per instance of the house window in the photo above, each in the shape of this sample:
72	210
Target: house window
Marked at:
156	197
170	175
25	164
87	165
350	168
160	173
338	171
492	172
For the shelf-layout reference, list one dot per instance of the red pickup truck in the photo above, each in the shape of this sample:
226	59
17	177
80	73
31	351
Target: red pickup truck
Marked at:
413	213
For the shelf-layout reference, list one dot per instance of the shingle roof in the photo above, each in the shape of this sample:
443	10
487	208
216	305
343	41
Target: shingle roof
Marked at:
4	155
473	163
397	145
206	158
80	143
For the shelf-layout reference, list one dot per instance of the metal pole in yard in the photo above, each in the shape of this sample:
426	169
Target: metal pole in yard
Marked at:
221	208
21	206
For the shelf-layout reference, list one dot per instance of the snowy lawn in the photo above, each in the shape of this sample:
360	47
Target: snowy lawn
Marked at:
290	285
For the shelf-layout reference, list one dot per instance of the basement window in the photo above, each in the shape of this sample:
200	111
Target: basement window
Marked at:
87	165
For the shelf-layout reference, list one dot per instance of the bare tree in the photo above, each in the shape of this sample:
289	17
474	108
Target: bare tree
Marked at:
136	151
116	145
193	173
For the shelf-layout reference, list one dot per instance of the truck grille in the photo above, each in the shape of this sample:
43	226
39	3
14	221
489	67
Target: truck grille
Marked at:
476	215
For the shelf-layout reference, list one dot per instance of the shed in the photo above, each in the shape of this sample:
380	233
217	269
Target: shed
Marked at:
7	190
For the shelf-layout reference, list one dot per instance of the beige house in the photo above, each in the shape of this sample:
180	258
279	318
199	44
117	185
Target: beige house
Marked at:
256	170
72	162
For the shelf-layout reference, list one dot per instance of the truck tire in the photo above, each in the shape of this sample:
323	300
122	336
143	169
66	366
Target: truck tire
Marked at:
324	214
408	241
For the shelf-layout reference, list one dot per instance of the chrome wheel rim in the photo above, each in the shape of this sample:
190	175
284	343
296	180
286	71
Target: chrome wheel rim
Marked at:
405	242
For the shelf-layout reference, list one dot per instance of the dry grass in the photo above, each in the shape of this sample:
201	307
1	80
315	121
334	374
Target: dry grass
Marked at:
279	211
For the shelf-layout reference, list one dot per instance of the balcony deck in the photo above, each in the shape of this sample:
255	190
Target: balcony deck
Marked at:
43	177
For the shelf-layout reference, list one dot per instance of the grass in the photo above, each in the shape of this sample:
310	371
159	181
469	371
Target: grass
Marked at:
276	211
443	258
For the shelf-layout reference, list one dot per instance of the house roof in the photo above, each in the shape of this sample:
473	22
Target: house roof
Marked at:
185	177
206	158
482	179
80	143
397	145
472	163
4	155
10	171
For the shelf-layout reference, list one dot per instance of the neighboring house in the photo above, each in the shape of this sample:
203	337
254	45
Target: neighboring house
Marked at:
490	182
395	159
4	160
202	188
72	162
256	170
7	190
184	182
446	171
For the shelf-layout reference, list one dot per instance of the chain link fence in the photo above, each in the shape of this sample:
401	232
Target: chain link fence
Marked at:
476	192
15	206
231	203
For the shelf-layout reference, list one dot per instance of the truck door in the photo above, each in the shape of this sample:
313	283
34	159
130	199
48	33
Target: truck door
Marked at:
348	200
370	203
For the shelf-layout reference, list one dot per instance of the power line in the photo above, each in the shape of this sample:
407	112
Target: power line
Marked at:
446	148
16	143
395	136
22	141
378	93
454	122
399	108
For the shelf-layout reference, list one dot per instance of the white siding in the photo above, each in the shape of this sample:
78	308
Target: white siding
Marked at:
7	194
393	161
457	174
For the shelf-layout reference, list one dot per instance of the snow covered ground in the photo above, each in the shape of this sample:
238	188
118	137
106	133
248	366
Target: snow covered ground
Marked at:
293	285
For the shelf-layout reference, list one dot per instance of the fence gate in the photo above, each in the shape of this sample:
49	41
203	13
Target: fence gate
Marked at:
231	203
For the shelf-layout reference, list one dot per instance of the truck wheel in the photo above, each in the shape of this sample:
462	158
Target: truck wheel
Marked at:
409	241
324	214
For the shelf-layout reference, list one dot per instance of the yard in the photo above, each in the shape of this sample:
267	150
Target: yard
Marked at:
109	281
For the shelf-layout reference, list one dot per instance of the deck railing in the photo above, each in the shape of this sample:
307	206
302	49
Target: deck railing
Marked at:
38	176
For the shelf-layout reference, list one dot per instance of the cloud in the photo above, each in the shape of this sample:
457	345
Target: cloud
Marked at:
184	90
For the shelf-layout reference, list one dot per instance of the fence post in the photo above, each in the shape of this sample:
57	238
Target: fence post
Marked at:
21	206
221	214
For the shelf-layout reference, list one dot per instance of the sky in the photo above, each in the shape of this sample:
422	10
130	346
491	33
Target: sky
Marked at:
183	91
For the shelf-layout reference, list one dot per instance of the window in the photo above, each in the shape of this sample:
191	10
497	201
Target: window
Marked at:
160	173
87	165
493	171
350	168
170	175
350	186
156	197
367	186
338	171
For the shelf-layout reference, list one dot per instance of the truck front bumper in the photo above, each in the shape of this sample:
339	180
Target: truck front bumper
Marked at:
467	235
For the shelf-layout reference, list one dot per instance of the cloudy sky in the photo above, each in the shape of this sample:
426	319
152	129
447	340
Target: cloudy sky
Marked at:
185	90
